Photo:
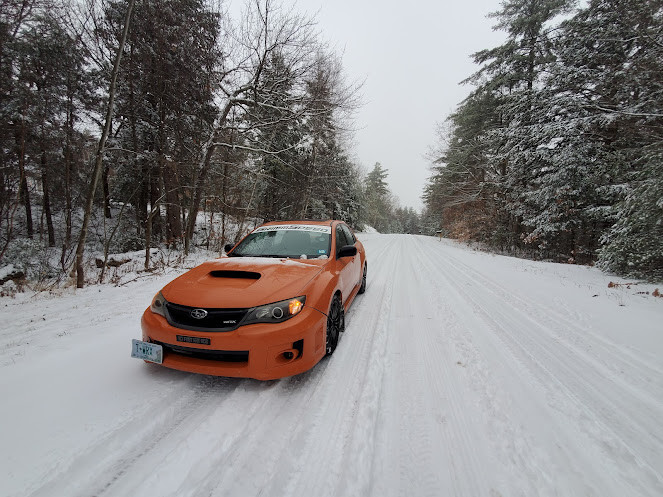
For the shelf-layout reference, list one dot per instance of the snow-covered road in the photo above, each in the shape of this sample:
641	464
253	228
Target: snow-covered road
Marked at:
460	374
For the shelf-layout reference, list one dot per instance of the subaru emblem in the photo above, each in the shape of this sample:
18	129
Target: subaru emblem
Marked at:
198	313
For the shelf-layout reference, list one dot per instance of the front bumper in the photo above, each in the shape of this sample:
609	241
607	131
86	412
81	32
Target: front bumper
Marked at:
274	350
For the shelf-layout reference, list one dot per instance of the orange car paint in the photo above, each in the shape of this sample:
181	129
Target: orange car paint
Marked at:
270	345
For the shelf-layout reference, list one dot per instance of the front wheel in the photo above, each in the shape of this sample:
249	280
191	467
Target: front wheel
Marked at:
335	324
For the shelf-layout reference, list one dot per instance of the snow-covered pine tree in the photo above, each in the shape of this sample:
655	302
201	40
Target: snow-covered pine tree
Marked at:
165	104
593	124
572	167
378	200
50	58
44	89
462	189
502	135
634	244
630	103
331	183
514	73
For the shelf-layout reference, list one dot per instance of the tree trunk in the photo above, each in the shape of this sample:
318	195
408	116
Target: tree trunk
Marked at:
240	229
106	189
45	185
155	196
24	192
67	174
173	223
4	193
148	238
148	230
203	170
142	201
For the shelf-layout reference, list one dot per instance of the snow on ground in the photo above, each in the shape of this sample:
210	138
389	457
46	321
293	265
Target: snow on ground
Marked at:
460	373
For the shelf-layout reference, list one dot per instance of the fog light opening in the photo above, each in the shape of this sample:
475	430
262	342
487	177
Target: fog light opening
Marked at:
290	355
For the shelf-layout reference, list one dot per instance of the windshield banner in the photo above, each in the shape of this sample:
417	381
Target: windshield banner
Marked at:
295	227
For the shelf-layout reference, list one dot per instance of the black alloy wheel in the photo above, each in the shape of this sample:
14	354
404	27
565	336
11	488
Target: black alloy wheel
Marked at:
362	288
335	324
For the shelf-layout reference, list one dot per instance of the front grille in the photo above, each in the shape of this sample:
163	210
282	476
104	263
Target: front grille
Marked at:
212	355
216	319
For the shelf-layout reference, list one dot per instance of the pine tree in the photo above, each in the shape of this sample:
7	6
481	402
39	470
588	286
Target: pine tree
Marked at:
331	182
482	179
630	84
588	120
164	106
514	71
378	201
463	189
634	245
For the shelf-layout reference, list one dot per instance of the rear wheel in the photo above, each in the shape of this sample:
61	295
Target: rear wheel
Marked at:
362	288
335	324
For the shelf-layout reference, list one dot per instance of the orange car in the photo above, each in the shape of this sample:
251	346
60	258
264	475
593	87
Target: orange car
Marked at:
273	308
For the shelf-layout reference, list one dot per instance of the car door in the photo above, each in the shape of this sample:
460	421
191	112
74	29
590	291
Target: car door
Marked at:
356	260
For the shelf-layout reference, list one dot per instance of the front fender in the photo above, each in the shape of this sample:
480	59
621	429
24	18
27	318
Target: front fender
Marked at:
320	291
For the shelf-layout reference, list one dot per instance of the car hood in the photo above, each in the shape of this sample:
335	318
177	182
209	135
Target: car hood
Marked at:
242	282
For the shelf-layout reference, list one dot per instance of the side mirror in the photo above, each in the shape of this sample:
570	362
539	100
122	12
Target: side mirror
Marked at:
228	247
347	251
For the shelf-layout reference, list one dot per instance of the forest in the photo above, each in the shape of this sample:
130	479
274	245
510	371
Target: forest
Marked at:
127	122
129	125
557	153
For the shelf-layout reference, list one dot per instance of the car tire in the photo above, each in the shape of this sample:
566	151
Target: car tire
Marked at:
362	288
335	324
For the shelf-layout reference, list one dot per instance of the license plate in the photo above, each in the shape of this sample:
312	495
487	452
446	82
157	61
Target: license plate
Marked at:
147	351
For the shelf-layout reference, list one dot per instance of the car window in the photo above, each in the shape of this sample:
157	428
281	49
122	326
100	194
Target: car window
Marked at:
348	235
341	240
290	241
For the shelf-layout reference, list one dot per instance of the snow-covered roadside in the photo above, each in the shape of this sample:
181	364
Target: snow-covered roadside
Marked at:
460	373
62	356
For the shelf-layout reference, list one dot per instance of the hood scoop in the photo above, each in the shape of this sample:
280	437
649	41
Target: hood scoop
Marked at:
237	275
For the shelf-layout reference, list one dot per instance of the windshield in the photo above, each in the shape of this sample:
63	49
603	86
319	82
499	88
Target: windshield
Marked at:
291	241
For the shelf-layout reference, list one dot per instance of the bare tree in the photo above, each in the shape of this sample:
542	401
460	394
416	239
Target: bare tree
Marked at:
267	31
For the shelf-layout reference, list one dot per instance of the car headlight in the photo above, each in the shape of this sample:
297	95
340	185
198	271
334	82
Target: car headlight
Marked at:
158	305
276	312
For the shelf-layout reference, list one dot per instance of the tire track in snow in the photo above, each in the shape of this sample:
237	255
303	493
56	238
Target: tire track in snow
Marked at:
360	448
213	428
586	396
248	465
616	412
342	415
429	435
565	329
519	463
100	467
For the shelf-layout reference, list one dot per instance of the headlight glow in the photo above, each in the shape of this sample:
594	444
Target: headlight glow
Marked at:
294	306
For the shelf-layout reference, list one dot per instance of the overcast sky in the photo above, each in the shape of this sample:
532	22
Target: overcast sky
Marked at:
412	56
